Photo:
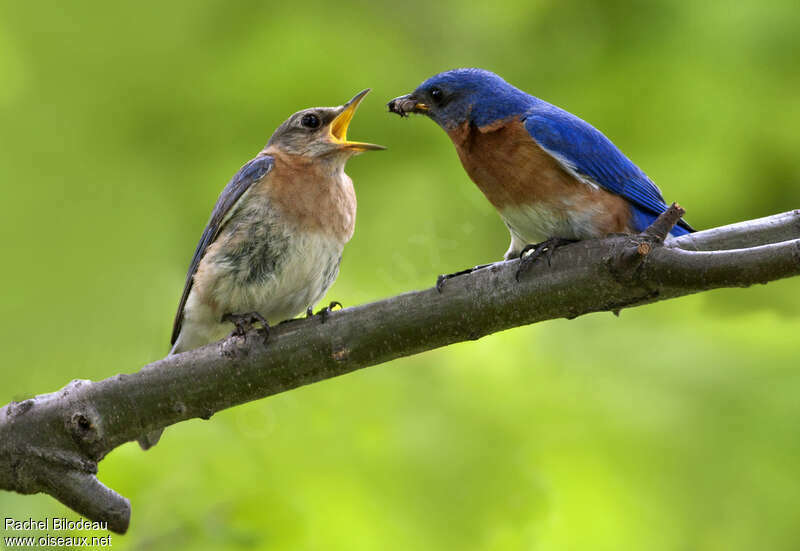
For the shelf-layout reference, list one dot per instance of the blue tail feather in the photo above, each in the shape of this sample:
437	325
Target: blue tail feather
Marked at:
641	219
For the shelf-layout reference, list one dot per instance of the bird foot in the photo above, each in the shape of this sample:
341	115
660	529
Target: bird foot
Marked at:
444	277
324	312
531	253
244	323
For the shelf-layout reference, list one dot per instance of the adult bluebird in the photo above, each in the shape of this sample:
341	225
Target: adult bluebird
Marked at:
273	244
553	177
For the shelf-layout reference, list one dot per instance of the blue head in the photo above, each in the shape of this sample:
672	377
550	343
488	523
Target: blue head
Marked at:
454	97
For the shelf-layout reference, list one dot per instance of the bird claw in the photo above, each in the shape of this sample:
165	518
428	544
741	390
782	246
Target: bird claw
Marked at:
444	277
440	282
244	323
531	253
324	312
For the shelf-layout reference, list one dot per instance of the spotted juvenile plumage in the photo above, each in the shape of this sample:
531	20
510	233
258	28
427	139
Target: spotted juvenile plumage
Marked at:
547	172
275	237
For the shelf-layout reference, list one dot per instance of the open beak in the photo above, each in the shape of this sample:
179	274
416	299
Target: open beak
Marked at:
404	105
339	125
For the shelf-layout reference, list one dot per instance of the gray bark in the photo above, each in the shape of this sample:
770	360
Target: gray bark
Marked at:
53	442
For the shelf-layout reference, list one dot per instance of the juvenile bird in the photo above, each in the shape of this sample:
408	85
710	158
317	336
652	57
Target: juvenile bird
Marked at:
552	177
274	241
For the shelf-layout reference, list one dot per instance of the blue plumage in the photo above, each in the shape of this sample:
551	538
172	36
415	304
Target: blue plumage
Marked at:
585	150
483	99
252	172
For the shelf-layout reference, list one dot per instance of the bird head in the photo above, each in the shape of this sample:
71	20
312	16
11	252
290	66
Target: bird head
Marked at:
321	132
454	97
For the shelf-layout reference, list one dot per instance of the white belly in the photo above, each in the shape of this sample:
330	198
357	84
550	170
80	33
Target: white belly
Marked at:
308	266
534	223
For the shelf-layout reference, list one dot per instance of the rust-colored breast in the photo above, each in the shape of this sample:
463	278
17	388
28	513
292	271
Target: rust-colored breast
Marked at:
316	195
512	170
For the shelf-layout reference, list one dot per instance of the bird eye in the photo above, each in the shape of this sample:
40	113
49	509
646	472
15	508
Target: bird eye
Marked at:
436	94
310	121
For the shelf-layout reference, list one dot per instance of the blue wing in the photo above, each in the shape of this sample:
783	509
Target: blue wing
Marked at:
248	175
585	151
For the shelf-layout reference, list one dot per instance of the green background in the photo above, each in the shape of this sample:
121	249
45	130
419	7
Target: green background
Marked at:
674	427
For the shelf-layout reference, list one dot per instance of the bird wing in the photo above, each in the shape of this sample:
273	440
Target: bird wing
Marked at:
248	175
591	157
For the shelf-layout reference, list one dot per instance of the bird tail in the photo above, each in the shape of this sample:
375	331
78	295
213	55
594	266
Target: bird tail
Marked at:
151	438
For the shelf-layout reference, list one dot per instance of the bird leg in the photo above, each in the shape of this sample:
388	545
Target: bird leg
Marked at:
245	322
531	253
444	277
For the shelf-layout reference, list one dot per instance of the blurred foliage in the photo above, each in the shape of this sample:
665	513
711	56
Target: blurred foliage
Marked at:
672	427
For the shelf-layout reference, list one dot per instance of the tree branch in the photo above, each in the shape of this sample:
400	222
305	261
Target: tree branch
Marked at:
53	442
770	229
